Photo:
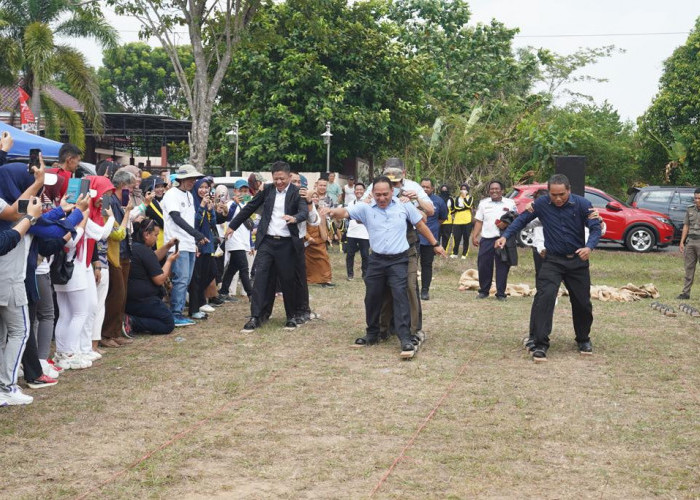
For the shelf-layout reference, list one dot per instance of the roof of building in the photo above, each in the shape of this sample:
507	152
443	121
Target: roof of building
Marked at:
9	98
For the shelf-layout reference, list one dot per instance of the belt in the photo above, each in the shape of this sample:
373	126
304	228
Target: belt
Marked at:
391	256
563	256
279	237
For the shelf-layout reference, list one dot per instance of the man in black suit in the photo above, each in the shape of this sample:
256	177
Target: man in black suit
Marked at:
277	242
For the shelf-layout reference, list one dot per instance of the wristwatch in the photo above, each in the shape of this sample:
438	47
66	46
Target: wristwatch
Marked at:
32	220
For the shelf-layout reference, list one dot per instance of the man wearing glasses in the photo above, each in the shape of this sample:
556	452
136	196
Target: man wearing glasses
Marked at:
487	229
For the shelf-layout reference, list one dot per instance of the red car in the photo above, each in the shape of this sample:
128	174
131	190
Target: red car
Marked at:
638	229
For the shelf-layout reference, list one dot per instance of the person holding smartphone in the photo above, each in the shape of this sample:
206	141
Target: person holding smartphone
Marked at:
179	210
154	211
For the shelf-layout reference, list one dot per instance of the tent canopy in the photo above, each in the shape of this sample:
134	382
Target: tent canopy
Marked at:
24	141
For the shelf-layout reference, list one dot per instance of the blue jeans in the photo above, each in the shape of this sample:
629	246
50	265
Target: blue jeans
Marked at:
181	275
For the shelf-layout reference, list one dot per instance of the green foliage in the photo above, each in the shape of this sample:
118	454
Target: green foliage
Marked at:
29	30
137	78
669	131
461	64
306	62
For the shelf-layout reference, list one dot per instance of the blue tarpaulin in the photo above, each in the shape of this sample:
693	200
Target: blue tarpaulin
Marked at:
24	141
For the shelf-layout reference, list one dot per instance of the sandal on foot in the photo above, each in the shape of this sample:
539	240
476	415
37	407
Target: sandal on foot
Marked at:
363	342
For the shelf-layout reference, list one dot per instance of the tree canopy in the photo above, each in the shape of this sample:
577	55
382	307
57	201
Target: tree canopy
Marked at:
669	131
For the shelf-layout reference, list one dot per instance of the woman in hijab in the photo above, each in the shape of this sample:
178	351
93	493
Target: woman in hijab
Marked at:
153	210
204	273
77	299
446	227
462	223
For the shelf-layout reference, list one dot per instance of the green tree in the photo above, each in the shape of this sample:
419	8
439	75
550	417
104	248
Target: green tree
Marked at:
137	78
462	65
306	62
33	27
214	28
669	131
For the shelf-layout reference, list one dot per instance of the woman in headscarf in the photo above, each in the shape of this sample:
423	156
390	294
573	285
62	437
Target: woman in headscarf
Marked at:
204	273
462	223
446	226
77	299
154	210
318	264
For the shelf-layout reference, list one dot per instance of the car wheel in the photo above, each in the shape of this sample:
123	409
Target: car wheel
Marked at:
526	237
640	239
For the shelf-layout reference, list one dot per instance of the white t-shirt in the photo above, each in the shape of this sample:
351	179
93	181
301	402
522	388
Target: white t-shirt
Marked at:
177	200
357	229
349	194
489	211
240	239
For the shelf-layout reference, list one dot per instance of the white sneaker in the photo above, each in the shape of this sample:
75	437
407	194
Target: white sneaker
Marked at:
92	355
48	369
206	308
453	256
69	361
464	257
14	397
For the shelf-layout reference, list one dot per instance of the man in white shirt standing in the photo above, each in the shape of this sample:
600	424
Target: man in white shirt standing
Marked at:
179	211
349	191
358	237
487	229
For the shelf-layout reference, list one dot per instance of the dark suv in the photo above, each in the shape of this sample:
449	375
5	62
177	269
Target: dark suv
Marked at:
672	201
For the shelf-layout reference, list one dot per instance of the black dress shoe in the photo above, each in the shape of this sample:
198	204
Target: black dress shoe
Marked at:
251	325
585	347
328	285
216	301
683	296
290	325
424	295
482	295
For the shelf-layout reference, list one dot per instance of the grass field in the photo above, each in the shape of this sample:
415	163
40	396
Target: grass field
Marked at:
208	412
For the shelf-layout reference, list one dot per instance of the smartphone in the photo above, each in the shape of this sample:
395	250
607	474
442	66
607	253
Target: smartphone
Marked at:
77	187
177	246
33	159
125	197
22	206
105	203
246	198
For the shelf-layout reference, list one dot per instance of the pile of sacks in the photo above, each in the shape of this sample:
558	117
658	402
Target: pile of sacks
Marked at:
628	293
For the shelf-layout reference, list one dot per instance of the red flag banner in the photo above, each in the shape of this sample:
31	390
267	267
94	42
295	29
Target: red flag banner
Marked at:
26	115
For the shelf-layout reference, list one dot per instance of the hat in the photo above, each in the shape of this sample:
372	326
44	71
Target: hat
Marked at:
351	177
241	183
394	174
187	172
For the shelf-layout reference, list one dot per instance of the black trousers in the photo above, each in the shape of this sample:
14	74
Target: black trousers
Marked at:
577	279
30	357
276	259
387	271
150	316
427	256
461	233
485	263
237	263
352	246
445	233
203	274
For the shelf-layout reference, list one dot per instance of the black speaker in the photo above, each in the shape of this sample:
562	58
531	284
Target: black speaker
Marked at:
573	167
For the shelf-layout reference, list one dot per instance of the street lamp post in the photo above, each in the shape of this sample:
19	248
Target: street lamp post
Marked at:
233	139
327	141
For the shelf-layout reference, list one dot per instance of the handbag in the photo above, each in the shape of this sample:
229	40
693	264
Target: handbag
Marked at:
61	270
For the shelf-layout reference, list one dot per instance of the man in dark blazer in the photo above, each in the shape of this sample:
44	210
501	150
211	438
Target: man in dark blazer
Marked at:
276	241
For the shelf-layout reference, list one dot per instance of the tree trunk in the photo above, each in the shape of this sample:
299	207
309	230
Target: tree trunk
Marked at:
36	101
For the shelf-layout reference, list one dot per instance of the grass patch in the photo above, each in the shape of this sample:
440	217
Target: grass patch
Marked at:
274	414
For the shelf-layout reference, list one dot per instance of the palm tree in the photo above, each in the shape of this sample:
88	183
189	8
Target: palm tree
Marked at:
29	30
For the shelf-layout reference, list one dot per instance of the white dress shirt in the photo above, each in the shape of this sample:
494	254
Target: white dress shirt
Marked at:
489	211
278	226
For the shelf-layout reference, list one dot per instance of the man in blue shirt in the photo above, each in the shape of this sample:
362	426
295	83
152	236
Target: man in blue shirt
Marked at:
564	217
385	220
433	222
